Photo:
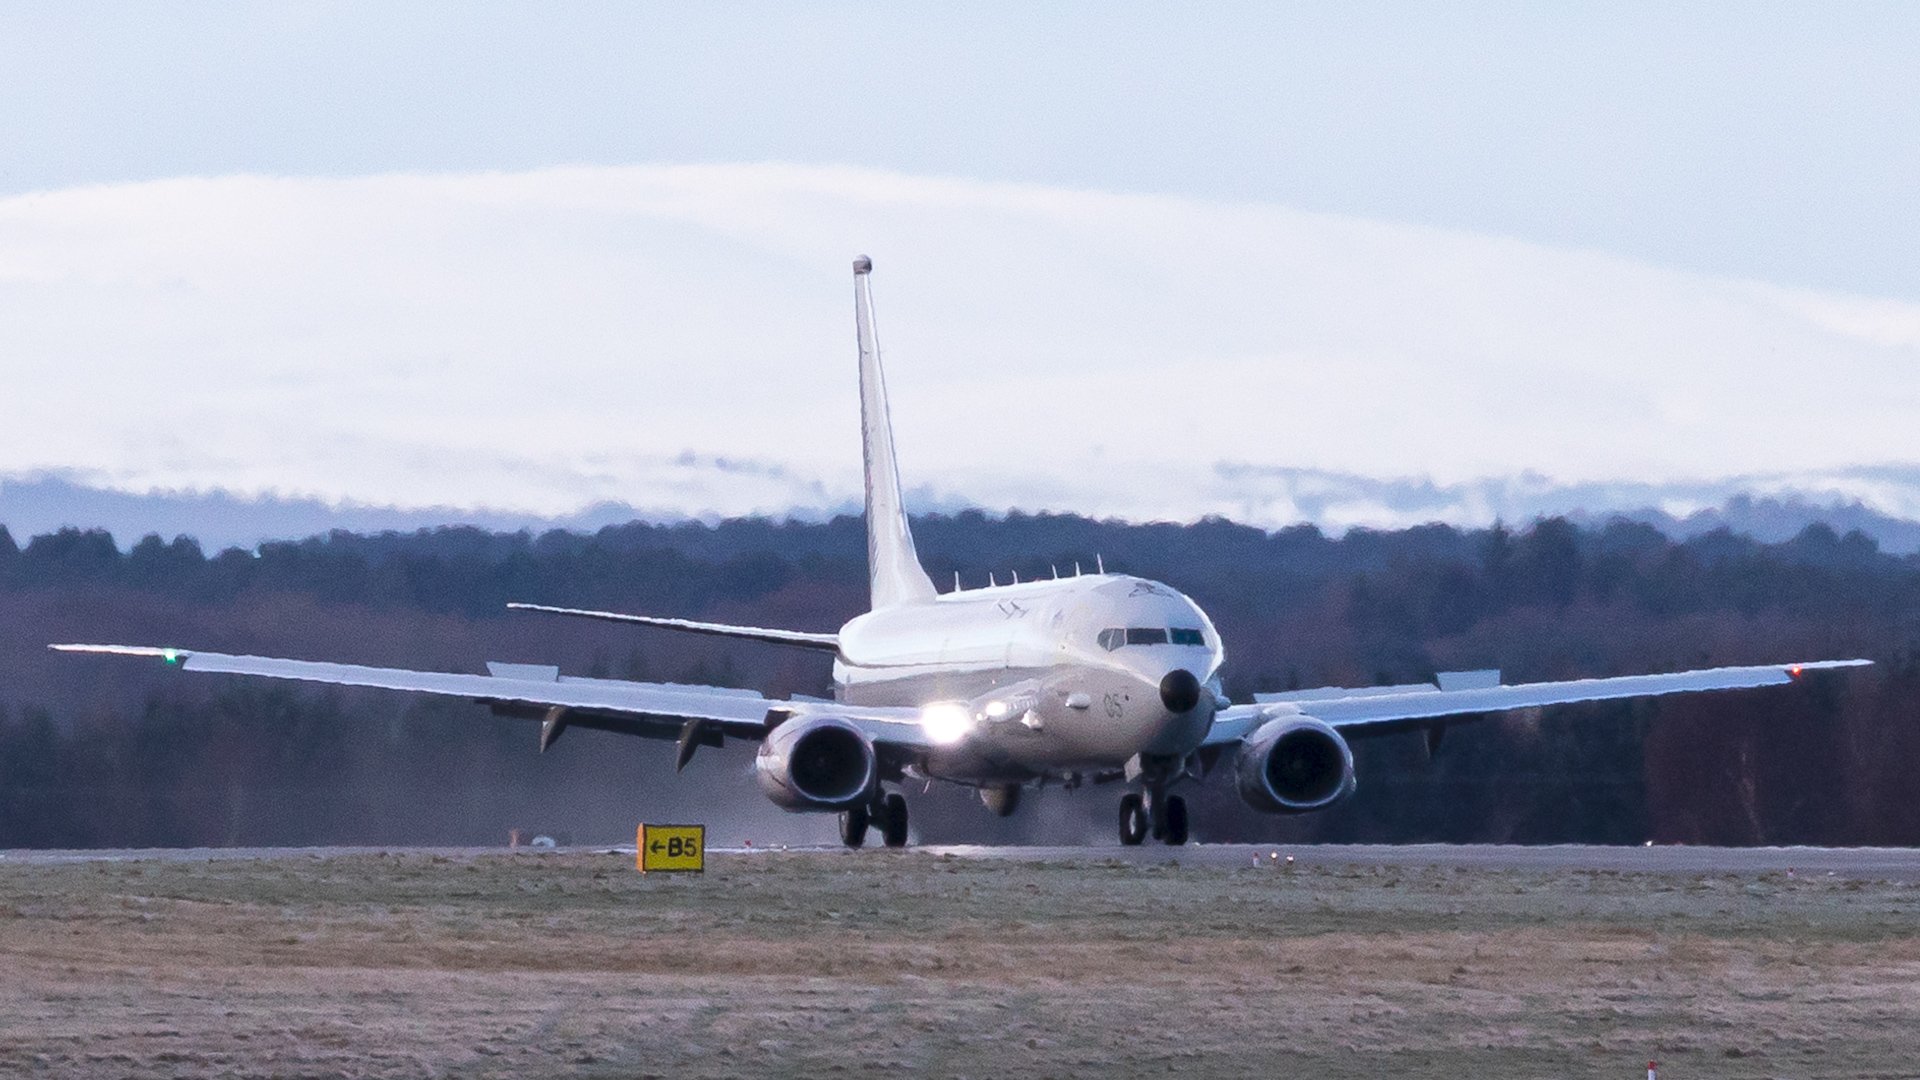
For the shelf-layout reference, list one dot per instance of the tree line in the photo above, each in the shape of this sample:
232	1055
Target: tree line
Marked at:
103	752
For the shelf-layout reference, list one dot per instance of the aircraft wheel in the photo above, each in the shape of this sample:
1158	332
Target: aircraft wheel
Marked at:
1176	833
853	826
1133	818
1002	800
893	828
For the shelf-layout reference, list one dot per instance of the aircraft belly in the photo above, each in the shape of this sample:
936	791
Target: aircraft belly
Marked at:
1015	752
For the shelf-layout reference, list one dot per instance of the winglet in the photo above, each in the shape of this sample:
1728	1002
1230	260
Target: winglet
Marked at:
171	656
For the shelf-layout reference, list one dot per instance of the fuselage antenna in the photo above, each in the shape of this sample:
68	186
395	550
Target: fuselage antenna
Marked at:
1076	568
1016	577
990	582
956	581
1056	570
1099	563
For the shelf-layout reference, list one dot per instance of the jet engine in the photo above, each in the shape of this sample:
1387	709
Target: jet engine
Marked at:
817	764
1294	764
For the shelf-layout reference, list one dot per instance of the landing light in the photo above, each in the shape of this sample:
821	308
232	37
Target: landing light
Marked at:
946	722
996	710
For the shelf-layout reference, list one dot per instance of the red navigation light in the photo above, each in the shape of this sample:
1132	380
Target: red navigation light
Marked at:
1794	672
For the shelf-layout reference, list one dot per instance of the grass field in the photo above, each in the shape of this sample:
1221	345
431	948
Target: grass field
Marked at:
880	963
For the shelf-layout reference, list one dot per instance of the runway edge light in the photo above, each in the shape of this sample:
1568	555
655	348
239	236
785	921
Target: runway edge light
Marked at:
670	849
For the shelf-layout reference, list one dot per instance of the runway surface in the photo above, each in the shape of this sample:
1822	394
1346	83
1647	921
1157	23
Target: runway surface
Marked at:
1873	864
1350	963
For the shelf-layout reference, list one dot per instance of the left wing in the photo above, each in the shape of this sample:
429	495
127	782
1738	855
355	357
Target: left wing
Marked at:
1379	710
695	715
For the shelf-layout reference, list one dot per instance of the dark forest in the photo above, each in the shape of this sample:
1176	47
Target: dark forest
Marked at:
104	752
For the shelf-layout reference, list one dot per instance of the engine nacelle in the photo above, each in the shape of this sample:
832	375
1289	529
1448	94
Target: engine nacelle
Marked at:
1294	764
817	764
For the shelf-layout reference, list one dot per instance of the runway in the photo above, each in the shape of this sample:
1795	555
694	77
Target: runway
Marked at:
1347	963
1869	864
1876	864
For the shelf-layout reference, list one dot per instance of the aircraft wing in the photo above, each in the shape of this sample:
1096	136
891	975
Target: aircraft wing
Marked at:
1380	710
701	715
800	638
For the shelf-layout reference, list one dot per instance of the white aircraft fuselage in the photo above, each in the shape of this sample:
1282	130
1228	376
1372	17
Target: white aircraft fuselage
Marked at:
1043	678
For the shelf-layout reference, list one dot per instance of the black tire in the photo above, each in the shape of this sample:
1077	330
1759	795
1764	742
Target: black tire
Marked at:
1001	801
1133	819
853	827
1176	821
893	829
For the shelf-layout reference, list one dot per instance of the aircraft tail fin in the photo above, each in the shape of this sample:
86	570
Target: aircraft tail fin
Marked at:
893	566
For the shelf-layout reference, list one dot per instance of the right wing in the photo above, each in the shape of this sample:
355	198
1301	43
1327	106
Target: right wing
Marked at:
1464	695
800	638
701	715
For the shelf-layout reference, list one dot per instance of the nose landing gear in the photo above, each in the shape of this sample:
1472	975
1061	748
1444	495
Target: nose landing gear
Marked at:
1173	821
1158	814
1001	801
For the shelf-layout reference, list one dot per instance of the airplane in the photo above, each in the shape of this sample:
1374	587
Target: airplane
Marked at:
1087	678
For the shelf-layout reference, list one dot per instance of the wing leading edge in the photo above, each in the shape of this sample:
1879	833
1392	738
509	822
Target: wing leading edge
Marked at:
1384	709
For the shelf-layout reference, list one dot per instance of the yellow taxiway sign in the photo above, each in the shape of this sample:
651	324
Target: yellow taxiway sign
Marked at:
671	849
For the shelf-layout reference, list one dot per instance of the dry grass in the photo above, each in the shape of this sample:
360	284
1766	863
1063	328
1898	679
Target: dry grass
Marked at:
880	963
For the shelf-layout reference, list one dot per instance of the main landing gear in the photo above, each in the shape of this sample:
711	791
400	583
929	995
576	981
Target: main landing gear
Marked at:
888	813
1158	814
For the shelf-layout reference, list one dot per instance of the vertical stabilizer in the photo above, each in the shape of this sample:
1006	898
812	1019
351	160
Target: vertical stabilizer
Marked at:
892	564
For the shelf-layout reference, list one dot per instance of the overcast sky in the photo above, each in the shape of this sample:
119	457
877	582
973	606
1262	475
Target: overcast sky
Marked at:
1140	262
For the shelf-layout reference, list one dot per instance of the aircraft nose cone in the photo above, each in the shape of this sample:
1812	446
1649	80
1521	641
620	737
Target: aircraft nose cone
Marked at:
1180	691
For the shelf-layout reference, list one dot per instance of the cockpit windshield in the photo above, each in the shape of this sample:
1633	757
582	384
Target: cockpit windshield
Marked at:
1150	635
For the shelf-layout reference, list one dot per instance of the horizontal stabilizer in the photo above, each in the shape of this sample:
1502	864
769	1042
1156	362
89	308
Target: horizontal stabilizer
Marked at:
797	638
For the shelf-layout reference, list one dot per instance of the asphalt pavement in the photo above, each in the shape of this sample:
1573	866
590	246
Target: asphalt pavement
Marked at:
1878	864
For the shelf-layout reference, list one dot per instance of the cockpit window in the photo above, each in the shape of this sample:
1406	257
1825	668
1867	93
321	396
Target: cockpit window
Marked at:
1150	635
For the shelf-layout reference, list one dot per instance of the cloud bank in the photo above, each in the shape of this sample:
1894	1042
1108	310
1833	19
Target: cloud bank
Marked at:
679	339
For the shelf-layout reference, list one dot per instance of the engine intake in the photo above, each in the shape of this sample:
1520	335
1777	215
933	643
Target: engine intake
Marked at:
1294	764
817	764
